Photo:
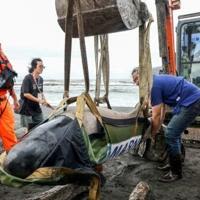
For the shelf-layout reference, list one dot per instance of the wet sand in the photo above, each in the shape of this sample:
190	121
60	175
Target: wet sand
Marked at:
129	170
124	173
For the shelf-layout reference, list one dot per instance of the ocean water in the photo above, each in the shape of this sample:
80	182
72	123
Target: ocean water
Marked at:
121	92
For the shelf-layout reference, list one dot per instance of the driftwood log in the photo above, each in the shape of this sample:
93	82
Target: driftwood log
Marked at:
104	16
140	192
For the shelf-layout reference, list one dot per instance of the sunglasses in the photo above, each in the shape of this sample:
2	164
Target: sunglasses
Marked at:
41	66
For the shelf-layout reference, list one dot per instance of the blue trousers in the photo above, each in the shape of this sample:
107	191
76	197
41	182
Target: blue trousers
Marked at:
178	124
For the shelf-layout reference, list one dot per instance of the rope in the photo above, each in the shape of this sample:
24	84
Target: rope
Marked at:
59	109
68	46
82	44
102	68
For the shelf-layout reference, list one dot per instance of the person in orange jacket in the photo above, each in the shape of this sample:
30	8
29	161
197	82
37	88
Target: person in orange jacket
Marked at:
7	122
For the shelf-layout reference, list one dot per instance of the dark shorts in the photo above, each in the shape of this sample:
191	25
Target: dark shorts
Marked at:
26	120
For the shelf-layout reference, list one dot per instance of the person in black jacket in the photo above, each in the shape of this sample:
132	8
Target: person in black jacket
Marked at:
32	95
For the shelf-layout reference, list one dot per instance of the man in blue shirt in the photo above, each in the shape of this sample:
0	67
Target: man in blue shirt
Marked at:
184	97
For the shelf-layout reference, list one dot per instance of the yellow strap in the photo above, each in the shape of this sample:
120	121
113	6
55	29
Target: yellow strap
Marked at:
91	105
62	105
145	68
94	191
49	173
80	105
2	158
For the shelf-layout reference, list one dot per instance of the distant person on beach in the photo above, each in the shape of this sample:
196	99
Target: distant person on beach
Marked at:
7	122
32	95
184	97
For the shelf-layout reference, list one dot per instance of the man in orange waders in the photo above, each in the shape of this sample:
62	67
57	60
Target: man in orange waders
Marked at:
7	122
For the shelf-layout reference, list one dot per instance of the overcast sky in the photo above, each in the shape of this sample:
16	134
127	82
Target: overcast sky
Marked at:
29	29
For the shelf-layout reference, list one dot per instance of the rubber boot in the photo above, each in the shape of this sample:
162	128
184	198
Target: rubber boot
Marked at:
165	167
175	172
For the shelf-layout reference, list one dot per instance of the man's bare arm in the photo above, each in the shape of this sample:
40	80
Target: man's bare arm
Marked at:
158	115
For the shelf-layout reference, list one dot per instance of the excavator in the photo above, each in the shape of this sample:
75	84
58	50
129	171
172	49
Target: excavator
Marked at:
188	47
74	143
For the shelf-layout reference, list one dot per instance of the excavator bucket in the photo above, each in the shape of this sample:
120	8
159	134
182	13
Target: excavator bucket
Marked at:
104	16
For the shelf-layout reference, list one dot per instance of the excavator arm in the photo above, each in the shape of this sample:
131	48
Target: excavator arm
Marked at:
166	33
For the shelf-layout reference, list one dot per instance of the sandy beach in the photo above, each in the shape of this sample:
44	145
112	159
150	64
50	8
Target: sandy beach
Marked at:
123	174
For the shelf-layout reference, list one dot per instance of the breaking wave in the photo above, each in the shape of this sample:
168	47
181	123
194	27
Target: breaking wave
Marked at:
121	92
